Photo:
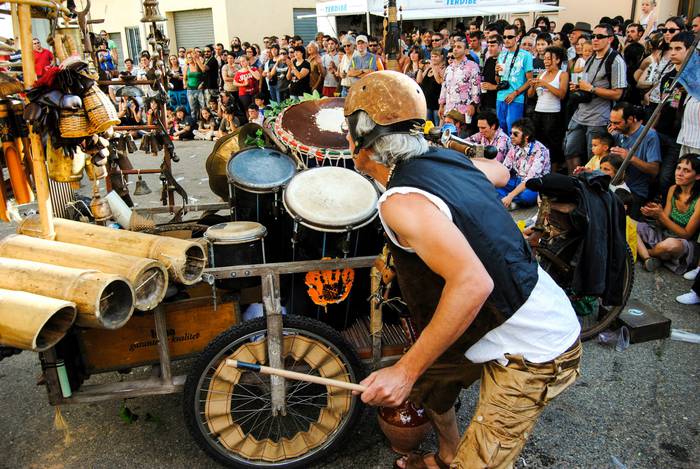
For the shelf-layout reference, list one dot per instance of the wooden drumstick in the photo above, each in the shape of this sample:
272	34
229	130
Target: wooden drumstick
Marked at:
295	376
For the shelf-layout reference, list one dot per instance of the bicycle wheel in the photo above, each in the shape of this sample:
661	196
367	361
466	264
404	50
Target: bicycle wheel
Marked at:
556	257
228	410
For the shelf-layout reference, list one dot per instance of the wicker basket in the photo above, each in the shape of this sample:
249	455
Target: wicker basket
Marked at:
100	110
74	123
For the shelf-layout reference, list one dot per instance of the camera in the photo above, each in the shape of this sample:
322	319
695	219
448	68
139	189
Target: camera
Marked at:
502	85
580	97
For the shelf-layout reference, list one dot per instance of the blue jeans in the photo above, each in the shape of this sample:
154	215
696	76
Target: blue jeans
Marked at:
433	116
275	93
526	198
197	103
509	113
179	99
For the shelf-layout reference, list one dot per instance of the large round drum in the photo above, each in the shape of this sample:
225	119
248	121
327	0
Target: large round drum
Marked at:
260	170
314	130
331	199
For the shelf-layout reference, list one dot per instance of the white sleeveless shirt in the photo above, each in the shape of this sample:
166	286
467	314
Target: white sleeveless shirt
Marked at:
546	100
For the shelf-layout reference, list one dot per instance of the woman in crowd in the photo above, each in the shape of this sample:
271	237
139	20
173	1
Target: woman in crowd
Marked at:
281	68
228	73
298	74
647	70
183	125
270	73
246	80
152	111
194	82
206	127
177	92
130	114
671	239
415	63
520	24
551	88
584	51
430	78
526	159
253	57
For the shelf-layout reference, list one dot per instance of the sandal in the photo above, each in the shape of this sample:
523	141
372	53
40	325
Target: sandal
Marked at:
416	460
651	264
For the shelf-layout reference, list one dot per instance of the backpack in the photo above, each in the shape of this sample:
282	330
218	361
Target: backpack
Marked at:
609	60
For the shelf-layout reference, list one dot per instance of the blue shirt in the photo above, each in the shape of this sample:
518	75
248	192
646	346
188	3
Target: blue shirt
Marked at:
648	151
515	76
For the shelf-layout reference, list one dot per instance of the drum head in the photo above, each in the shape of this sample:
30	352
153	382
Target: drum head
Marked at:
260	169
235	232
331	199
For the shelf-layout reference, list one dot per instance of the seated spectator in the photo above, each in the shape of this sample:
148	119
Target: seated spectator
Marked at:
214	106
262	106
170	121
229	122
183	125
610	165
670	240
206	127
630	225
152	111
526	159
254	114
490	133
601	143
454	121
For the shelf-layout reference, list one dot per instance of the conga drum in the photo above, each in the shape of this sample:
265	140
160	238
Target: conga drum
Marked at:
236	243
313	131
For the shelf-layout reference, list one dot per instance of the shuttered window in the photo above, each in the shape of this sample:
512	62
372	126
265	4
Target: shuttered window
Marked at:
305	27
194	28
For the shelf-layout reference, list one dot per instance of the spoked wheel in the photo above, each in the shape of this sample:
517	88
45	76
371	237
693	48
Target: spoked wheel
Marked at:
228	411
555	256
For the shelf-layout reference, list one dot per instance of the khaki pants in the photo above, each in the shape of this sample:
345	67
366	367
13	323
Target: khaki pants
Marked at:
511	399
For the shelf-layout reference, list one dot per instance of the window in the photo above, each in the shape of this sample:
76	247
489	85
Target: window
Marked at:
133	42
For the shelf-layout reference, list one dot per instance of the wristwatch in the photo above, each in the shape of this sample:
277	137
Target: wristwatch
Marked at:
592	89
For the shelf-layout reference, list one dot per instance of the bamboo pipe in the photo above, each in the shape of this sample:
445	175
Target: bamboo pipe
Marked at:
104	301
294	375
147	276
33	322
185	260
41	179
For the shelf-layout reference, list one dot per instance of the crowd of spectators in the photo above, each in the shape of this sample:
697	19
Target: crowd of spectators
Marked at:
569	99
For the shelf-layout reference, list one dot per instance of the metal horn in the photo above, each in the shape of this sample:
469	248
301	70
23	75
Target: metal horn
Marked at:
151	12
141	186
471	150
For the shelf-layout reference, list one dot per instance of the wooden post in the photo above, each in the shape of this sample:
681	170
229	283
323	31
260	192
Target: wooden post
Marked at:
273	312
163	350
41	179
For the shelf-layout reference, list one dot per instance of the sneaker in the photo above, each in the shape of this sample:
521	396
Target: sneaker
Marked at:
651	264
692	274
513	206
690	298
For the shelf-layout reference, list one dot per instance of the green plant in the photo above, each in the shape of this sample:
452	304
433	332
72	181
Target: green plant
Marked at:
255	141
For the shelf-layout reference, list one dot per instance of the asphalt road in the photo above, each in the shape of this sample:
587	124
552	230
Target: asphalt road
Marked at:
636	409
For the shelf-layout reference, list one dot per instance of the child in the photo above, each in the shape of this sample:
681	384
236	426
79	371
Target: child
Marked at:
206	129
601	143
254	114
580	64
260	102
631	226
228	124
610	165
214	106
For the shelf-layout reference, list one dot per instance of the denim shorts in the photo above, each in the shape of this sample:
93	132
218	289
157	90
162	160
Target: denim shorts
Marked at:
577	142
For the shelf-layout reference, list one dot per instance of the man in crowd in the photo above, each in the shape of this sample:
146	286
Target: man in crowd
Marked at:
606	84
488	73
236	48
490	133
331	62
475	47
461	88
363	62
43	58
212	77
626	126
181	53
580	28
634	54
376	48
515	70
480	313
344	66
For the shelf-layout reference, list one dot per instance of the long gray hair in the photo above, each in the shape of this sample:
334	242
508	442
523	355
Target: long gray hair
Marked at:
391	149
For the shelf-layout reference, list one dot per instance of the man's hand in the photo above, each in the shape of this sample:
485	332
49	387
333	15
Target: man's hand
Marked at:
441	111
584	85
507	200
388	387
511	97
471	110
619	151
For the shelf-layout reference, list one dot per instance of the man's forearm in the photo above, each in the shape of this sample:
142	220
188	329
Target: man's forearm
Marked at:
647	168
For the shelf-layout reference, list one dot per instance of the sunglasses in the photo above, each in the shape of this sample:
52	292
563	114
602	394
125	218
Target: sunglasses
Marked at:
516	133
509	37
600	36
374	45
668	30
450	57
492	42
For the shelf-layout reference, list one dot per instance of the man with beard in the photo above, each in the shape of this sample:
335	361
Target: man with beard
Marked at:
633	54
212	75
236	48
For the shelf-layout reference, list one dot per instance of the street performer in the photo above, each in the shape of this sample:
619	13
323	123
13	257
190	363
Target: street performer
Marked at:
483	306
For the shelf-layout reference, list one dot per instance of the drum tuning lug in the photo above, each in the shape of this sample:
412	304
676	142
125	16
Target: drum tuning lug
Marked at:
233	274
208	278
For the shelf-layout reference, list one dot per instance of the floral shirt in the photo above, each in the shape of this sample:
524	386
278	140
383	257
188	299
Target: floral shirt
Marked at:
528	162
462	86
500	140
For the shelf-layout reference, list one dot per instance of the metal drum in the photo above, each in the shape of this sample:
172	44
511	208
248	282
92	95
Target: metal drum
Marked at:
236	243
312	130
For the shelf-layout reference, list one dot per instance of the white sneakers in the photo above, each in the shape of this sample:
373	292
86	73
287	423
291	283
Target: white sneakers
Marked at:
692	274
690	298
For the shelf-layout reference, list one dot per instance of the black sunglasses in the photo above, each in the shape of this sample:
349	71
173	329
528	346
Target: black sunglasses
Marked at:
492	42
668	30
374	45
509	37
450	57
600	36
437	40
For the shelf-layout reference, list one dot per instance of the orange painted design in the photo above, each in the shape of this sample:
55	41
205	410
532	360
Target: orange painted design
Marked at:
329	286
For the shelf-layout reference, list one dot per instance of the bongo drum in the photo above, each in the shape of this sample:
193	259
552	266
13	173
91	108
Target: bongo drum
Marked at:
312	130
236	243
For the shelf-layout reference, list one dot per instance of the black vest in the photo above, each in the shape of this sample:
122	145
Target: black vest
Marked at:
493	235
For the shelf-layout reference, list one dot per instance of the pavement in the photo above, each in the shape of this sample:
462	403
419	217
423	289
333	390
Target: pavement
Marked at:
633	409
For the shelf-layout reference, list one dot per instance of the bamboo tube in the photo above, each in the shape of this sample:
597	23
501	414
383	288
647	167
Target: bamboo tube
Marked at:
33	322
41	179
104	301
295	376
147	276
185	260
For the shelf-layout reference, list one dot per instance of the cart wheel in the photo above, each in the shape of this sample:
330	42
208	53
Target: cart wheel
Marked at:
228	410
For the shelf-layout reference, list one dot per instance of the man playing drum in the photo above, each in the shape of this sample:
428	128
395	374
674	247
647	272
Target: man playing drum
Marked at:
484	307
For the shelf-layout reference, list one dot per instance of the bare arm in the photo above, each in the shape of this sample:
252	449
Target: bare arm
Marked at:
494	171
690	229
467	286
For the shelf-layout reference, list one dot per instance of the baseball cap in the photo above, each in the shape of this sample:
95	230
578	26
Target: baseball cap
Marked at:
361	37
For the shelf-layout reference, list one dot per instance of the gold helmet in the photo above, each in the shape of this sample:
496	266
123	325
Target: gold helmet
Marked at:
392	100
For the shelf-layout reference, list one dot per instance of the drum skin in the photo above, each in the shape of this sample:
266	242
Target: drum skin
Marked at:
299	120
236	243
260	170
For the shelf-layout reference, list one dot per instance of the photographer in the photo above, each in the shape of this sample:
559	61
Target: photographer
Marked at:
604	81
130	114
515	71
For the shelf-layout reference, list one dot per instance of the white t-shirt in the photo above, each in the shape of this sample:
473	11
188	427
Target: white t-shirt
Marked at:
543	328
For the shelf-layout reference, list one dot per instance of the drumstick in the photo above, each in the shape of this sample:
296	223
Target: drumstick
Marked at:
295	376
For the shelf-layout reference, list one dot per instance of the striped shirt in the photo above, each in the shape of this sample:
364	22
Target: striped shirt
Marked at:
597	112
690	129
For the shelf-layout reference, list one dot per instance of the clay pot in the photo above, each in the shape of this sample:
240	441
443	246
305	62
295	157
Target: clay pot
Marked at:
405	426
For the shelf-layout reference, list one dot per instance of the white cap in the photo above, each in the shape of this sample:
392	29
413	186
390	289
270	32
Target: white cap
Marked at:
361	37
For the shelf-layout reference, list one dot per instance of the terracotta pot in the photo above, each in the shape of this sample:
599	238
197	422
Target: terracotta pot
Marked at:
405	426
